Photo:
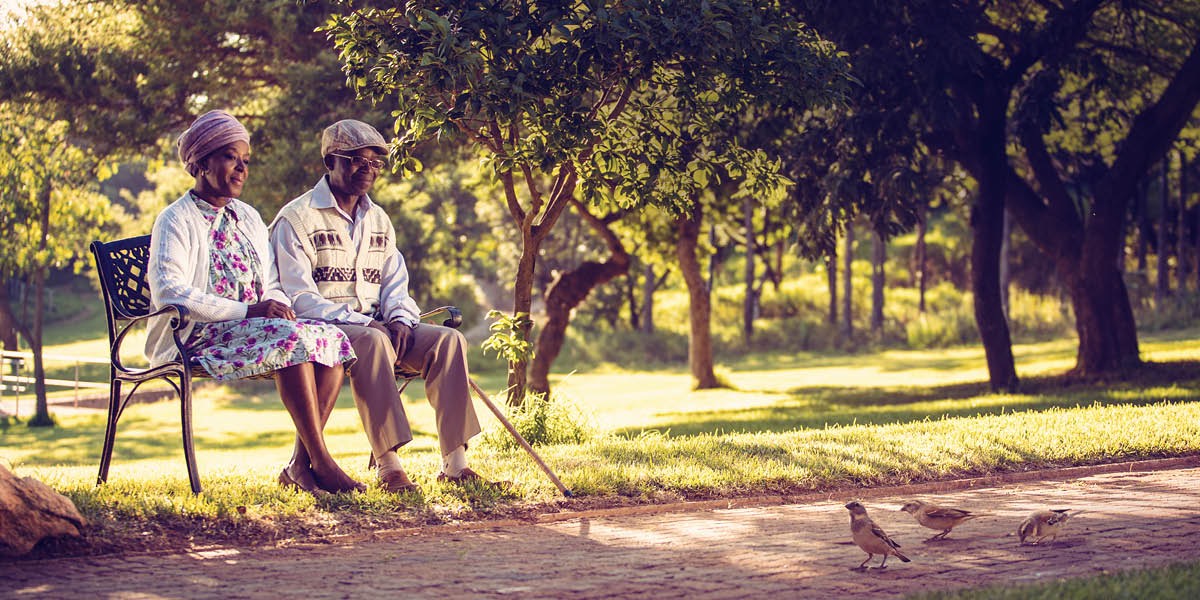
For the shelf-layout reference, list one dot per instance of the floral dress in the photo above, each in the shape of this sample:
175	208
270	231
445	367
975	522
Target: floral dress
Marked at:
235	349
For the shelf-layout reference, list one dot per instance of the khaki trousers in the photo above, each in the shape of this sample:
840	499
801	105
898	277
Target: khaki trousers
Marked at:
439	354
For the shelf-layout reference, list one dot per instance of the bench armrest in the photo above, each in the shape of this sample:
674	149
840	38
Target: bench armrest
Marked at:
453	316
178	322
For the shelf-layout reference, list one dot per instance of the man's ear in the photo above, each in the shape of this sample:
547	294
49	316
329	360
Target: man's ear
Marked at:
328	160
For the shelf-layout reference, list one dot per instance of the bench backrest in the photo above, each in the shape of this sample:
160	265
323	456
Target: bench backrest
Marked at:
121	265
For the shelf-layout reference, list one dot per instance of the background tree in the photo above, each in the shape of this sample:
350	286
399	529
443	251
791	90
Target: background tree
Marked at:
1087	94
557	94
51	211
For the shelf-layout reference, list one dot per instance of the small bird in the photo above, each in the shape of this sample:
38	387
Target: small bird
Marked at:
1043	524
870	537
937	517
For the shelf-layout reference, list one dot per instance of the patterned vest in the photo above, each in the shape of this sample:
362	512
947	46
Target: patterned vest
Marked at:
341	274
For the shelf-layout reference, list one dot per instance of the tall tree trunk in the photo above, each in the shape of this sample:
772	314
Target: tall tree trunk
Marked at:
848	283
921	266
649	285
1162	287
1181	233
878	280
8	321
534	225
749	301
987	224
1005	266
41	417
831	276
567	292
700	359
1141	214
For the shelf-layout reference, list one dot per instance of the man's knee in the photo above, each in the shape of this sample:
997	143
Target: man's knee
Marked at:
374	345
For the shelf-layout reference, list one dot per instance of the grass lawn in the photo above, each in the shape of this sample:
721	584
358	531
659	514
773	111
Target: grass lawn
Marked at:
794	423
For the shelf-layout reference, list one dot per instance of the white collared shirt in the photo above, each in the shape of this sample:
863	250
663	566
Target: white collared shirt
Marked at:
295	270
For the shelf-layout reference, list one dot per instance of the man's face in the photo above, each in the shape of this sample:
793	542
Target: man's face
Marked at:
353	177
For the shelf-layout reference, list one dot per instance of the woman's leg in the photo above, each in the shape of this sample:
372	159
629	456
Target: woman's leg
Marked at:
298	390
328	386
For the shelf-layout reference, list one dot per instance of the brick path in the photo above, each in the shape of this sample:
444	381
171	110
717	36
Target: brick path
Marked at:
1132	519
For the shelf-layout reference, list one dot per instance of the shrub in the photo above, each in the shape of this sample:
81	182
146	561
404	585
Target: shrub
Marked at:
543	420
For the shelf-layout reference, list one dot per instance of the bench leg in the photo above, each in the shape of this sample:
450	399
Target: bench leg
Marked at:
110	429
189	449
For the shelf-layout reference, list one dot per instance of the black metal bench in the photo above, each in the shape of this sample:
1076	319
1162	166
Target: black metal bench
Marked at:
121	266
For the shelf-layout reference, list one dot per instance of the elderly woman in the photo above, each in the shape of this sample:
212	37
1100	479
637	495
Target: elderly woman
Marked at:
209	252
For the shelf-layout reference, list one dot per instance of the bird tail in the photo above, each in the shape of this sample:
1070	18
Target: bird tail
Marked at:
902	557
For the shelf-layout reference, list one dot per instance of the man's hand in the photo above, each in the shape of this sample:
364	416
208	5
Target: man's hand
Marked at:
271	309
401	335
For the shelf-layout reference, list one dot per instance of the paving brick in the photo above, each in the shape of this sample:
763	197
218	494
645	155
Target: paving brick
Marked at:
1129	520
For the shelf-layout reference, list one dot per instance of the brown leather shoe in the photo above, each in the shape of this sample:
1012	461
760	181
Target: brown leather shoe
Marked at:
397	482
467	476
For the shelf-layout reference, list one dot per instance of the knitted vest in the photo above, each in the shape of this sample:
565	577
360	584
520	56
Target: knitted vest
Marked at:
341	274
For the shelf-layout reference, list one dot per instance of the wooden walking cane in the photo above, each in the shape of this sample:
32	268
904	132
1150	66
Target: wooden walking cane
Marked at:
520	440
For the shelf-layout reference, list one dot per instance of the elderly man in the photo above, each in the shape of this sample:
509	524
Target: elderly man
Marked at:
338	262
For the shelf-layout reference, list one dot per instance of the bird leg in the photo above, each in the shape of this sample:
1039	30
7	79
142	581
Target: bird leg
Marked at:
883	565
864	563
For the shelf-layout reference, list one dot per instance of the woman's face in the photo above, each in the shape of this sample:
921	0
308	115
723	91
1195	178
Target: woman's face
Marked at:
225	170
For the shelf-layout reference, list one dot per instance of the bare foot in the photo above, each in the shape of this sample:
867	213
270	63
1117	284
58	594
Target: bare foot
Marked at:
301	477
335	480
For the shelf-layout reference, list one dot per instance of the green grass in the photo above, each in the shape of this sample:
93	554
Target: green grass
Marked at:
1174	582
793	423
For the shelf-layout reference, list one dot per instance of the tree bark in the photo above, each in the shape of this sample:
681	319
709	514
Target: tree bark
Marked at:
41	417
8	321
700	360
567	292
920	258
987	225
831	276
1005	266
848	283
1181	247
878	281
1162	287
749	301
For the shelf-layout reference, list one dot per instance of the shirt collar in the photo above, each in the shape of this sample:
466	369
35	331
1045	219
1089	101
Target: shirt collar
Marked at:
322	197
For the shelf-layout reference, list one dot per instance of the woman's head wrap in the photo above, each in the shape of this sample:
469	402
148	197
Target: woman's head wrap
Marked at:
210	132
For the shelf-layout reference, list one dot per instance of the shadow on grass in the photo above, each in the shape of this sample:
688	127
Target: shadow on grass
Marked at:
822	406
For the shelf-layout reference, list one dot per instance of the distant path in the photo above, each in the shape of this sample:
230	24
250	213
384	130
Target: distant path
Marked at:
1133	519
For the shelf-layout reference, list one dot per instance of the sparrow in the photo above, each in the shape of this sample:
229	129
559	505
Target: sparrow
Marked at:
1043	524
937	517
868	536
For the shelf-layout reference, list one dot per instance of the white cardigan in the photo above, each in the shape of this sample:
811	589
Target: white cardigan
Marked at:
179	272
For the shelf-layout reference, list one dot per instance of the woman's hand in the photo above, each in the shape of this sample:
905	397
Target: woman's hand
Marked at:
271	309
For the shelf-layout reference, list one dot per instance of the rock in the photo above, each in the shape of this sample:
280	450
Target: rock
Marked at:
31	511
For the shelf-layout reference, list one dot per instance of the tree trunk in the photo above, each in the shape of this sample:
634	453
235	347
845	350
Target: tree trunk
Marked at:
1181	235
848	283
1142	216
1005	267
920	258
1162	287
8	321
41	417
987	224
878	280
749	301
831	275
566	293
649	285
700	360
